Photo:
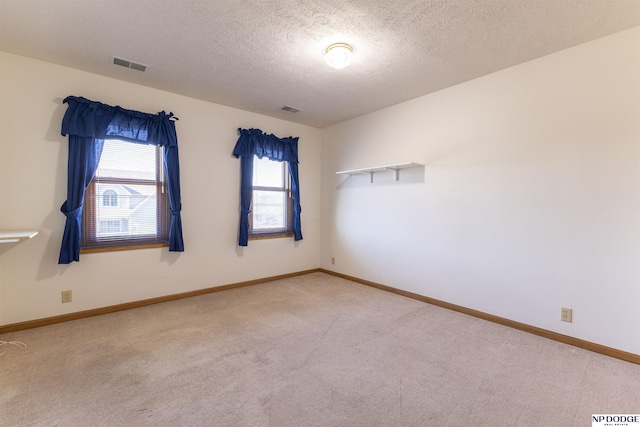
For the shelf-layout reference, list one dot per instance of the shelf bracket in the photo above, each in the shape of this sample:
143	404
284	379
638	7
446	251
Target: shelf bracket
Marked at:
397	172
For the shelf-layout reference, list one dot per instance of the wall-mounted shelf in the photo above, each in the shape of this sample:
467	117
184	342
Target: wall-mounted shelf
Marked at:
371	171
16	236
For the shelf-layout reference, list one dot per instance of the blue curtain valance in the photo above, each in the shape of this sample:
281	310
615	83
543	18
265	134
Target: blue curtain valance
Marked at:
88	124
255	142
94	119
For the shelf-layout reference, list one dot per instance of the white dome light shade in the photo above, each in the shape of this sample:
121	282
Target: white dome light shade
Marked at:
339	55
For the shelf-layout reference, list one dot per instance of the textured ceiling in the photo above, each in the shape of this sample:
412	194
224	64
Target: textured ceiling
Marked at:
260	55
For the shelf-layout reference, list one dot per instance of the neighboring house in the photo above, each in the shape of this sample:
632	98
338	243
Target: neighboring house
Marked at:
123	210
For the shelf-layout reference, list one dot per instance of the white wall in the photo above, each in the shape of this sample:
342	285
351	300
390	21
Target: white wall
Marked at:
33	158
529	200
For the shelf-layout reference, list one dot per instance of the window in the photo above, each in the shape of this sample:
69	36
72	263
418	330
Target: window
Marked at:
271	203
110	226
109	198
126	204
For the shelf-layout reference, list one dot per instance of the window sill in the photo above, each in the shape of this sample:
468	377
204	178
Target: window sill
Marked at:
123	247
269	236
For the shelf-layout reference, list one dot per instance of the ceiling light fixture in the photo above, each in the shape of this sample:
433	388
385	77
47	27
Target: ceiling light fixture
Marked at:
339	55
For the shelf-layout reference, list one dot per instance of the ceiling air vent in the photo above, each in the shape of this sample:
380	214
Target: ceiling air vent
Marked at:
128	64
290	109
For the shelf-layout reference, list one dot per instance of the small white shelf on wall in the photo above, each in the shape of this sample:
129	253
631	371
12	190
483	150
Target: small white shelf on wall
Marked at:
396	168
16	236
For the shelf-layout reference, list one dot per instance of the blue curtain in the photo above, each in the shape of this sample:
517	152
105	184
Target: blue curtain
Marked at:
295	195
254	142
88	124
246	191
84	156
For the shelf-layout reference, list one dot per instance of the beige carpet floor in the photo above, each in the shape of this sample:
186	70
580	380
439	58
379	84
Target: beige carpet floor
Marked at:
314	350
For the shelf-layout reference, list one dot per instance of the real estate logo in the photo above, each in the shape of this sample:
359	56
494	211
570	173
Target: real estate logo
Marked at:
615	420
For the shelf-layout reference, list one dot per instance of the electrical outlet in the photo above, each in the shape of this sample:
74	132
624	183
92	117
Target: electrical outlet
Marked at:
566	315
333	260
66	296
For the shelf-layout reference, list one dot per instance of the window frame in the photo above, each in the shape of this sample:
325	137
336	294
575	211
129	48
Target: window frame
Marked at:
90	243
273	233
